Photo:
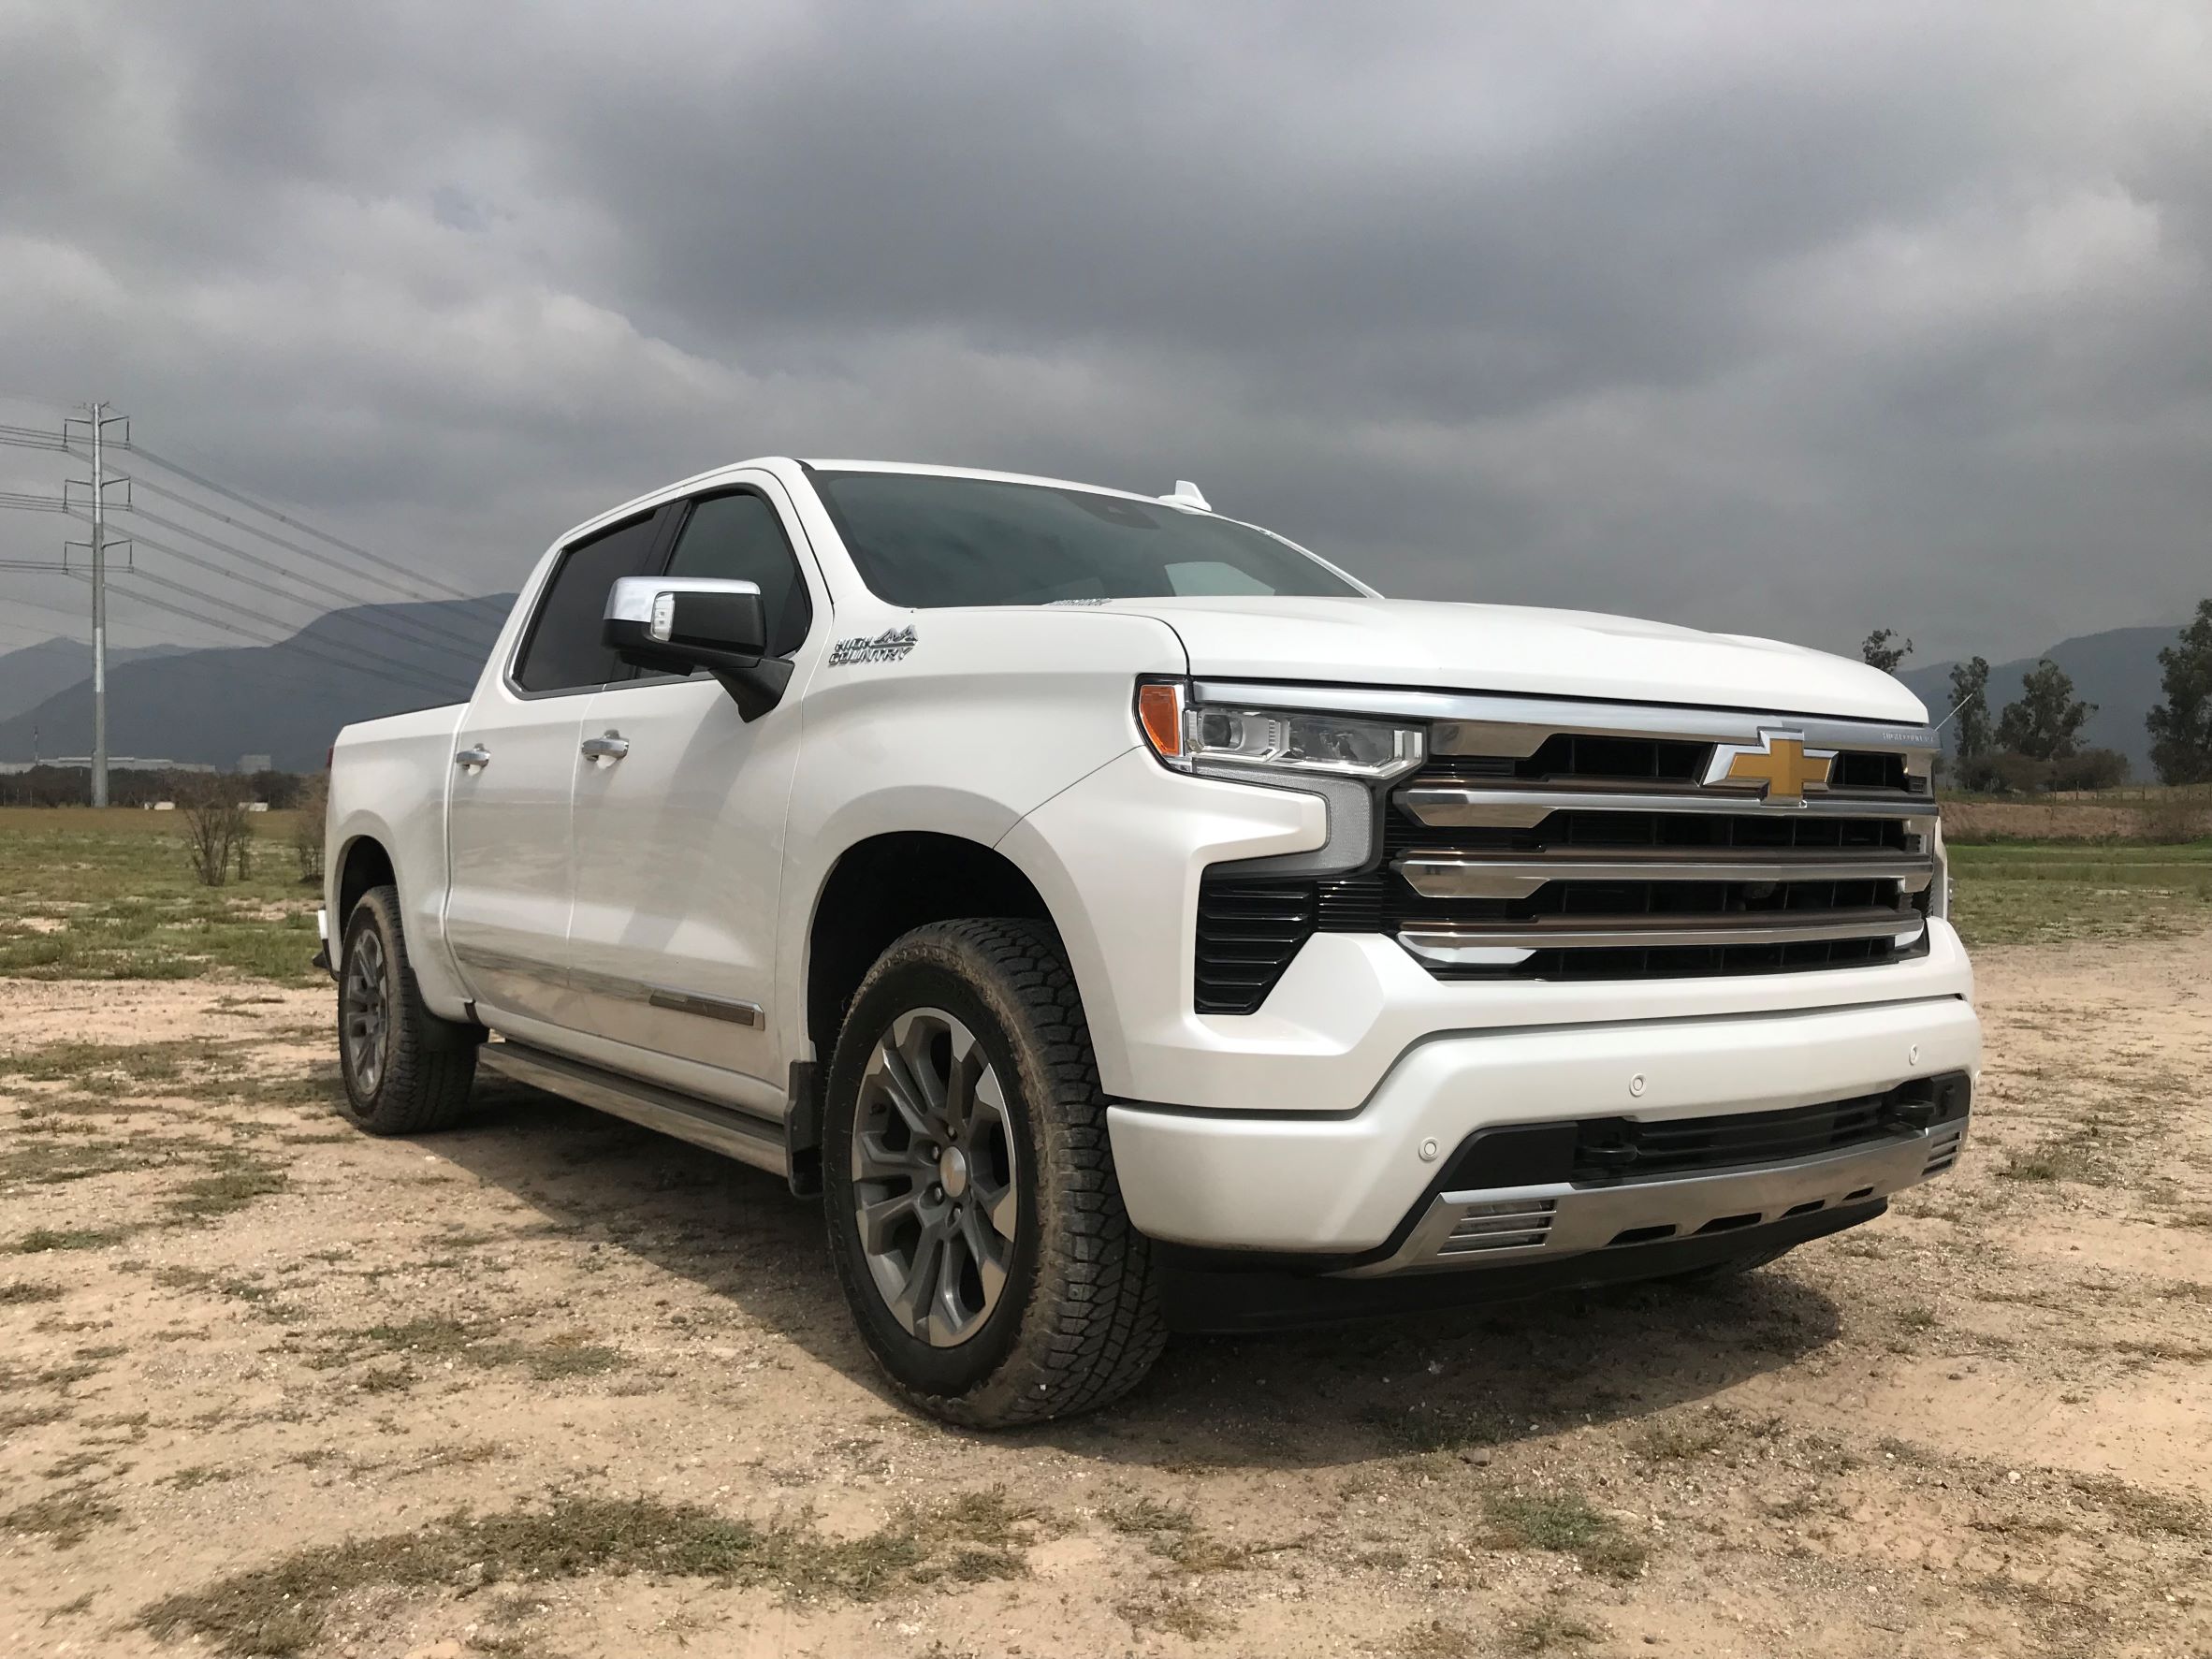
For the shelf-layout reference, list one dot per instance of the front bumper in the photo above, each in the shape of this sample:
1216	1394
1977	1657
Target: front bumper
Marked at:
1359	1186
1486	1227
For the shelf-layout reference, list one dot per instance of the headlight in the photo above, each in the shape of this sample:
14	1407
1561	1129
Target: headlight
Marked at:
1223	741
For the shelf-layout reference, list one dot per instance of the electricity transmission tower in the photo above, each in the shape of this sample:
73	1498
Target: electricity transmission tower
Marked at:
97	421
94	424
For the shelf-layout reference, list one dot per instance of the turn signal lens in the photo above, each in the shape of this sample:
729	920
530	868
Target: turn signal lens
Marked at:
1160	712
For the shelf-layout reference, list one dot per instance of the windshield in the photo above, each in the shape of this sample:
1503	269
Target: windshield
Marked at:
925	540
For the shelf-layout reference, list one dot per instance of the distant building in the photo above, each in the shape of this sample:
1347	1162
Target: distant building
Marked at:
116	763
250	764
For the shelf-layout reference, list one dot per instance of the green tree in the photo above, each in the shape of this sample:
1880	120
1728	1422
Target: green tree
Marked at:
1969	713
2046	724
2181	727
1881	653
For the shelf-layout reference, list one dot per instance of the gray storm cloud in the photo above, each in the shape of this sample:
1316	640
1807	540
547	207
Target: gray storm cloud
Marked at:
1786	320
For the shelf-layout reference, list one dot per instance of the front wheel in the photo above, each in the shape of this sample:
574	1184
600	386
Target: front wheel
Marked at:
405	1069
973	1214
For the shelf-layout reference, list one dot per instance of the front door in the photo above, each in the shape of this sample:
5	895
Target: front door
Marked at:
510	842
679	833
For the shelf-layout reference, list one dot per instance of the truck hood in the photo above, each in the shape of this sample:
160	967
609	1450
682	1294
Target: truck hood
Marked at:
1508	649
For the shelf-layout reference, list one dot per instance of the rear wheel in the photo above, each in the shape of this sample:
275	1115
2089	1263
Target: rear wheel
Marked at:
973	1212
405	1069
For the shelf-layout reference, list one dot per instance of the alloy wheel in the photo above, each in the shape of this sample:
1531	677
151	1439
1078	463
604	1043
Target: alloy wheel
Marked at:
365	1009
934	1188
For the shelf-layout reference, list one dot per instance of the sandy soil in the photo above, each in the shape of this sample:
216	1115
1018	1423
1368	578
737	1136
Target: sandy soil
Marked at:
1982	1425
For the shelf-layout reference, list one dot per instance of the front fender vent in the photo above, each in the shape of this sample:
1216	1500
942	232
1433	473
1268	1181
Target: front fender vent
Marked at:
1248	933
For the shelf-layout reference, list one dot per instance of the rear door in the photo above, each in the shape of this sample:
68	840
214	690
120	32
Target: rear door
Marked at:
680	839
510	837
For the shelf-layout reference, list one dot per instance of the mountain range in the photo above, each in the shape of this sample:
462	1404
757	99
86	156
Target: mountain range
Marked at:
286	700
2116	670
30	676
289	700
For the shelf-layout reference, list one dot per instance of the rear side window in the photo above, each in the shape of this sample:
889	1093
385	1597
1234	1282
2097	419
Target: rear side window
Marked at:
738	538
563	651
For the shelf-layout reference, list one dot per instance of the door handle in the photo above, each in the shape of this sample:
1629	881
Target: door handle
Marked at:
475	759
612	747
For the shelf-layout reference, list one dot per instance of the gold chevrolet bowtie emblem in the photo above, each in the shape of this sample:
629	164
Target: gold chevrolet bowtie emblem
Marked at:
1779	765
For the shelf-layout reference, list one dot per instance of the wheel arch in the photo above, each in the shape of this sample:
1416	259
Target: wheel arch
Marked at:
877	889
364	862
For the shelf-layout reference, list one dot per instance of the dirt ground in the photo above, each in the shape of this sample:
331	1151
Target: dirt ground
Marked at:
551	1385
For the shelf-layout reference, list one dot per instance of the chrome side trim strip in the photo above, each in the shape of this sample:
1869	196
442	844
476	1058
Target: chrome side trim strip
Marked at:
749	1140
710	1007
626	990
1468	1230
1441	806
1504	944
1444	874
1547	715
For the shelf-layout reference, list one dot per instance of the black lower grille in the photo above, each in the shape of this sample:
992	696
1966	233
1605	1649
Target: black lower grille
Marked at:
1597	1150
1247	932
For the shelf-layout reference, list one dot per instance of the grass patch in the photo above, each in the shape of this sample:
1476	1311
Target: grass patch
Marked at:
2043	892
1431	1428
1171	1534
128	908
48	1163
29	1417
1547	1632
438	1337
39	1240
281	1607
1564	1523
2075	1155
64	1519
21	1292
2145	1513
1681	1439
227	1190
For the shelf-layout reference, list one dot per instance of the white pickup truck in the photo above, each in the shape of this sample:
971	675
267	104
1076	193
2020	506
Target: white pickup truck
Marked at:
1126	921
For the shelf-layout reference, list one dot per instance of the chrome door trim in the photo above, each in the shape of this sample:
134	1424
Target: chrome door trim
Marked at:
618	989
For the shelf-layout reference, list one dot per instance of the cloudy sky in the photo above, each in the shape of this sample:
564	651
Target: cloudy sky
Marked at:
1788	319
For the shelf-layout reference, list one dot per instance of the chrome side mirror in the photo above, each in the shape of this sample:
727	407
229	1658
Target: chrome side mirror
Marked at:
677	624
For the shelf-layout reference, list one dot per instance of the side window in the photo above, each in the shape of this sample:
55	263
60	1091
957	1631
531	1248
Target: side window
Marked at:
738	538
563	651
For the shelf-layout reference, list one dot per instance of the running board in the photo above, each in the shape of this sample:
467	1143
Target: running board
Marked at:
755	1141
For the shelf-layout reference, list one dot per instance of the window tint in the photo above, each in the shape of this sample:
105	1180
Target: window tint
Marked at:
928	539
565	652
737	538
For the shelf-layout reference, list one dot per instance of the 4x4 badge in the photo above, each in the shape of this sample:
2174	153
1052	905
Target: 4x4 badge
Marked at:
887	647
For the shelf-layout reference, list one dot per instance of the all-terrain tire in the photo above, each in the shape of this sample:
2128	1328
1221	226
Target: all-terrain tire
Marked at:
1078	1322
412	1073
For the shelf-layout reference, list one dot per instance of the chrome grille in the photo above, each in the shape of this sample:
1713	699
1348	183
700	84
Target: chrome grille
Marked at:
1535	847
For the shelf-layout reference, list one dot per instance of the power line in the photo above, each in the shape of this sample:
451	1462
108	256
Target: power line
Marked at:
458	644
287	639
323	535
140	482
473	661
357	658
254	663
